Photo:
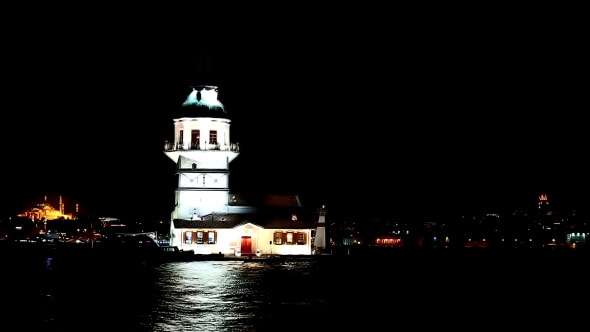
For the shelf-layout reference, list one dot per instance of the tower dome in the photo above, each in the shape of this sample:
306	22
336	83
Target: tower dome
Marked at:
202	101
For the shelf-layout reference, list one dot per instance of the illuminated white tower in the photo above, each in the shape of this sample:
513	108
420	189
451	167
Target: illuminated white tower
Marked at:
320	234
202	151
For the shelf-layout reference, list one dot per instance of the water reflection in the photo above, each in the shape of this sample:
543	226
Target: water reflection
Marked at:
231	295
81	294
75	293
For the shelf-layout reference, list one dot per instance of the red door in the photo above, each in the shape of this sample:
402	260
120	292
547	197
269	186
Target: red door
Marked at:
246	246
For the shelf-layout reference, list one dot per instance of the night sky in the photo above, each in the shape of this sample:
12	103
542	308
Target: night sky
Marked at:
416	119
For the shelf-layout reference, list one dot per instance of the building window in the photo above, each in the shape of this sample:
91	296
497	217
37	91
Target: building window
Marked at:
289	237
188	237
278	237
213	136
181	137
202	237
300	238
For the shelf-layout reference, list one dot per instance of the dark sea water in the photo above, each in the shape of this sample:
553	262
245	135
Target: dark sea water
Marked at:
398	290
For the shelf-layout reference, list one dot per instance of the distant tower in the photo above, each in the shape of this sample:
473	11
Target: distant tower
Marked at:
543	201
202	151
320	234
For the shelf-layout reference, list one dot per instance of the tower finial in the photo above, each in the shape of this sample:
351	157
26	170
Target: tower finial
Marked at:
322	210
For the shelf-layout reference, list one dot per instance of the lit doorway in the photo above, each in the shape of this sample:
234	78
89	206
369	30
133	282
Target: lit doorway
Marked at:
246	245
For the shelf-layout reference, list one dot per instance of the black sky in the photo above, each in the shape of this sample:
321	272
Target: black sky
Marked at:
426	118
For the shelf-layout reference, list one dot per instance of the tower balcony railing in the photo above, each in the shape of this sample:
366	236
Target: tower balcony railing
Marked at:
181	146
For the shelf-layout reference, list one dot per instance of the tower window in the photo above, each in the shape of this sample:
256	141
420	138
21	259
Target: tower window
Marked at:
213	136
195	139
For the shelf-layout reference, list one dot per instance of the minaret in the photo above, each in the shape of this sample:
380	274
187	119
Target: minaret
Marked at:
202	151
320	234
61	205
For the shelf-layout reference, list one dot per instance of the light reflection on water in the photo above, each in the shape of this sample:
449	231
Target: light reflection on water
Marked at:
81	295
231	295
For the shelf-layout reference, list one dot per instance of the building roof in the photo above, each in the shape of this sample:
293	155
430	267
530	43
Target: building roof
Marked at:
227	221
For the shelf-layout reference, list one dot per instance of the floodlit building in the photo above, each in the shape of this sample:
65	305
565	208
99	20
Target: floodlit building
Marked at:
45	211
206	217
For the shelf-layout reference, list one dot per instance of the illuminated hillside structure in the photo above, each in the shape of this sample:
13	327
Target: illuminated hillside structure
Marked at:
543	201
206	217
45	211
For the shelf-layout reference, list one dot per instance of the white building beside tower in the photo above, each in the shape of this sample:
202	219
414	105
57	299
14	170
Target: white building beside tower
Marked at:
206	219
